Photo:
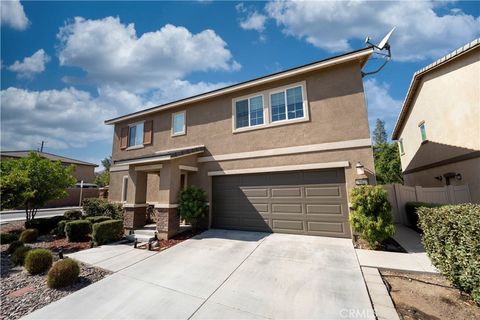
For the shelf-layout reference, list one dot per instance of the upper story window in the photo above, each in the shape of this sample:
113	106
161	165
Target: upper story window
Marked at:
423	133
249	112
270	108
178	123
400	146
287	104
135	134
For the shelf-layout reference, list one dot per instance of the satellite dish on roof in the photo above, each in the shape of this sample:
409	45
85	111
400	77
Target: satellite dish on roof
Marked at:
384	41
383	45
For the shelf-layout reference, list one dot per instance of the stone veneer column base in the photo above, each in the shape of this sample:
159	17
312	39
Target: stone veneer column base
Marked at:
134	217
168	222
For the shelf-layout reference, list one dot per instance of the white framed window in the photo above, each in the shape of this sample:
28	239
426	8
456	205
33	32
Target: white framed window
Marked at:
400	147
287	104
423	132
249	112
124	188
179	123
135	134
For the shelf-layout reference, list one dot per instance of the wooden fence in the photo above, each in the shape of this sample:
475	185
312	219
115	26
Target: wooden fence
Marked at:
399	195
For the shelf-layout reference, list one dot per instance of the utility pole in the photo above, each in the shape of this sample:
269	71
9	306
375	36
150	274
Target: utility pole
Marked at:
41	147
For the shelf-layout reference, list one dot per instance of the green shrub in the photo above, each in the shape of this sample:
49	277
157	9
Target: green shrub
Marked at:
14	245
29	235
44	225
73	214
38	260
60	231
6	238
192	205
101	207
18	257
78	230
107	231
451	236
412	215
63	273
98	219
371	214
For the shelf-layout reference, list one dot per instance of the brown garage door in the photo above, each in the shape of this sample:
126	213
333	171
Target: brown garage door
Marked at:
302	202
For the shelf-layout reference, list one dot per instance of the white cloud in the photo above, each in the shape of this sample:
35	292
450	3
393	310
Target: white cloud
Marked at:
112	53
421	32
254	21
30	66
381	104
12	15
65	118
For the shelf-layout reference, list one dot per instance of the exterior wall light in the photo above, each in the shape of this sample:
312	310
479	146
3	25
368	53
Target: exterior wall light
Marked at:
458	176
360	169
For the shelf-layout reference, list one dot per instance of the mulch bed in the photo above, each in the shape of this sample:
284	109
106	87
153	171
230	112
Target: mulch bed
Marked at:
425	296
14	227
165	244
388	244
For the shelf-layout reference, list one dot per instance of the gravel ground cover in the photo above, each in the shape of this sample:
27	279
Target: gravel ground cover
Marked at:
22	293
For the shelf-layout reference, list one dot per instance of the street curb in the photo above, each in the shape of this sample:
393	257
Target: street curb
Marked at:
39	210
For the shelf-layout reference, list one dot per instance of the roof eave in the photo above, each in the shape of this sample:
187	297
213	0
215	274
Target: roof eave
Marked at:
362	55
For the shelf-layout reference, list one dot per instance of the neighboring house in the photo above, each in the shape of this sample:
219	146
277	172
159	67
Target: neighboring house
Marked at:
277	153
83	170
438	129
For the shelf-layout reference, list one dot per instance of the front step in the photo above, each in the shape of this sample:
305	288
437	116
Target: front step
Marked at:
146	234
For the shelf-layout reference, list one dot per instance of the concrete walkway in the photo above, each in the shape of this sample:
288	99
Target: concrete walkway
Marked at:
415	260
112	257
224	274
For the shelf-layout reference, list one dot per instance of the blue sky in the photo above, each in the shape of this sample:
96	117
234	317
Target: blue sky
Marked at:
68	66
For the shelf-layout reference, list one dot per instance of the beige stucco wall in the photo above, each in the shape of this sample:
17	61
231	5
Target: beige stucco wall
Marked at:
337	112
469	169
448	100
85	173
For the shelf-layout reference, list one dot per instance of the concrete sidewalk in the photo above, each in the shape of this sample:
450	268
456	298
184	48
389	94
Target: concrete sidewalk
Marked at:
112	257
415	260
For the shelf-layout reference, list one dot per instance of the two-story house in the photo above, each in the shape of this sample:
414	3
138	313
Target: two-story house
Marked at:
438	129
277	153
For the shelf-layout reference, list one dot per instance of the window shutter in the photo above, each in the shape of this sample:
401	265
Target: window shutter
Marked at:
147	132
124	138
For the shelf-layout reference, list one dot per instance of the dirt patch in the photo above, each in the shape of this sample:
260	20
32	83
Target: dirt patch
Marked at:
421	296
12	227
388	244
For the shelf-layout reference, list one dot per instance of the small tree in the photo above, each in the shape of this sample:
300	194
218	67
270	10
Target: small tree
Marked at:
388	168
192	205
103	178
32	181
371	214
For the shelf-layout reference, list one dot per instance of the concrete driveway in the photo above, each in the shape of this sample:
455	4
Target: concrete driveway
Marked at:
224	274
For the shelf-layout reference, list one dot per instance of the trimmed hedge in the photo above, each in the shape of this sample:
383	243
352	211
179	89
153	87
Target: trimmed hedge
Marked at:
451	236
107	231
411	210
98	219
14	245
101	207
78	230
44	225
18	257
28	235
63	273
6	238
61	228
38	260
73	214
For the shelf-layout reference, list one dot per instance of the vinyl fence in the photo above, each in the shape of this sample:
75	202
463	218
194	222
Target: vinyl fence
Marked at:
399	195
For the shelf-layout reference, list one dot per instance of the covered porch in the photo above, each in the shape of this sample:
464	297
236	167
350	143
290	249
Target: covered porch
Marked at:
155	182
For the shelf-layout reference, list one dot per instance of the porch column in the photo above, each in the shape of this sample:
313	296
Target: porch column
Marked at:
135	208
167	218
